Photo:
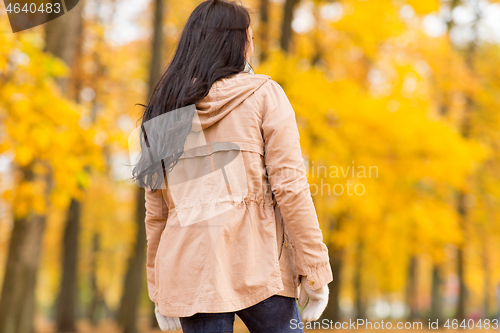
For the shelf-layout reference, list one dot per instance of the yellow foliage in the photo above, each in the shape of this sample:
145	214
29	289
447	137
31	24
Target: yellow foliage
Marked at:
380	116
424	6
42	127
420	160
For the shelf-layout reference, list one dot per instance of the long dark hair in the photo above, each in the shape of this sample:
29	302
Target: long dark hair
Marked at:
212	47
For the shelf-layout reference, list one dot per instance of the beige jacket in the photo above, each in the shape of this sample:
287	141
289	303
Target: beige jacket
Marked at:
216	237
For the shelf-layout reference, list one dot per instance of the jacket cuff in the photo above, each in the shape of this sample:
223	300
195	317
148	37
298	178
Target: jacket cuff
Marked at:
153	295
319	277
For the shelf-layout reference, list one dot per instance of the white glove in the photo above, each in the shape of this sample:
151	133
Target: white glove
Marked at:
167	323
318	299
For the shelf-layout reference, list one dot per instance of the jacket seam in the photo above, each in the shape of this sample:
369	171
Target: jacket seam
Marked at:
263	93
237	140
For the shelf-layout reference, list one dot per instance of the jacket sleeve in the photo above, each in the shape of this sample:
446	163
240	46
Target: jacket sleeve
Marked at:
287	177
155	220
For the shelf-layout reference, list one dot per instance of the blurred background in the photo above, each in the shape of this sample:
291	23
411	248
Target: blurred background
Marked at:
398	107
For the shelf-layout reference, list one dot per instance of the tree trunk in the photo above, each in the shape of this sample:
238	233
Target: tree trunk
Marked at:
486	296
332	311
17	302
97	304
460	311
63	39
437	295
316	37
133	281
358	282
66	302
487	280
462	209
412	289
286	27
264	30
156	46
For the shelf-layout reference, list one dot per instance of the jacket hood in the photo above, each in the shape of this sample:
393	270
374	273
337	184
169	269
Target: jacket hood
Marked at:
225	95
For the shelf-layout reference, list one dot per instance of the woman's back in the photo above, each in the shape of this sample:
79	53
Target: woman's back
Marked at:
230	222
216	238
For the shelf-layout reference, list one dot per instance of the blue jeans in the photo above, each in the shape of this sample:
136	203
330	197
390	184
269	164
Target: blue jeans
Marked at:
272	315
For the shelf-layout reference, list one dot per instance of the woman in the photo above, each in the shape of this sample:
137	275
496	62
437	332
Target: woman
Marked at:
231	226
